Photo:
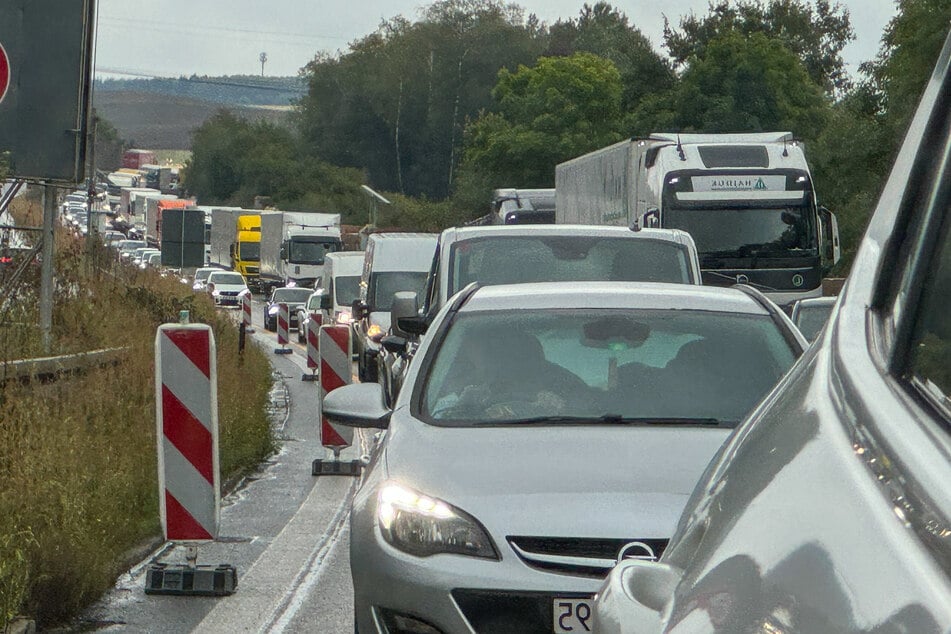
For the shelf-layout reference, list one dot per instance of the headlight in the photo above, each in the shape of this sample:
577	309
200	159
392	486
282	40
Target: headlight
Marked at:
374	332
424	526
344	318
273	310
216	292
291	283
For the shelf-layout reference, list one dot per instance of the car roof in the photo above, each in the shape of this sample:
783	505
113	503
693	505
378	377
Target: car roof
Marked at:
608	295
464	233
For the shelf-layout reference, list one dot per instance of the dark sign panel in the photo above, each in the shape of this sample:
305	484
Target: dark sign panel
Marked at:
183	238
45	70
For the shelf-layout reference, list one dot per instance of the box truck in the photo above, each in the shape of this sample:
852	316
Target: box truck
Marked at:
747	200
293	246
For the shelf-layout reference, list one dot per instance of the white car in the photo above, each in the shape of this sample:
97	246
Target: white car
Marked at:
226	287
546	431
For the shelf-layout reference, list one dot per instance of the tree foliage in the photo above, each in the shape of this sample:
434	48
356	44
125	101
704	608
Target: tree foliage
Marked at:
815	31
234	160
741	84
558	109
396	103
605	31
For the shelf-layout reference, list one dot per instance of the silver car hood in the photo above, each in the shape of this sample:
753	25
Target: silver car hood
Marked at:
577	481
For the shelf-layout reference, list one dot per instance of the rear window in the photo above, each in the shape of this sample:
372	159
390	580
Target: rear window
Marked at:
524	259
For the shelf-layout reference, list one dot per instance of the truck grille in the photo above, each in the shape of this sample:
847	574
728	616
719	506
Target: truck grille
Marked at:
252	270
583	557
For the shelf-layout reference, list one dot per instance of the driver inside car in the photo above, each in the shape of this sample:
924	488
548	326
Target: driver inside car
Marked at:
503	374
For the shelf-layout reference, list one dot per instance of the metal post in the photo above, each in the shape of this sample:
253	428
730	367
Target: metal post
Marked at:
46	272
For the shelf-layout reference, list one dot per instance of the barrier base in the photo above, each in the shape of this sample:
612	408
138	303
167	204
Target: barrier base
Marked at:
337	467
309	377
282	351
207	581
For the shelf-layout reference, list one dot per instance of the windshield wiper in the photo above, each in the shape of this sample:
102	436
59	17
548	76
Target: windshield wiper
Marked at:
610	419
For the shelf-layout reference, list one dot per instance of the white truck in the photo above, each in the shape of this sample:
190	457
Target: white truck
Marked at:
747	200
293	246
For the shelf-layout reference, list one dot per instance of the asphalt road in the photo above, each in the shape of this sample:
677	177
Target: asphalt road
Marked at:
285	531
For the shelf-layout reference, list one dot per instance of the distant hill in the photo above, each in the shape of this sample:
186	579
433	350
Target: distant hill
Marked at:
151	120
245	90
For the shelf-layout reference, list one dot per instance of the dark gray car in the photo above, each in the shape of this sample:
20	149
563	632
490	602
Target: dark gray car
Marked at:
829	509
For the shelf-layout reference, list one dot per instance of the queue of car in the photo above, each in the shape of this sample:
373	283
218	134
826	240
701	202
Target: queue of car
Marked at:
588	443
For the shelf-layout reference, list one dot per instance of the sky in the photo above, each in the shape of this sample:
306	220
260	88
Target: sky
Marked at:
226	37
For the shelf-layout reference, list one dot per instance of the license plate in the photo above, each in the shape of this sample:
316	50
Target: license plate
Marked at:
572	615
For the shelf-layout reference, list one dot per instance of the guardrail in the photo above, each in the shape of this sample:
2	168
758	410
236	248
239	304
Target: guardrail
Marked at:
52	368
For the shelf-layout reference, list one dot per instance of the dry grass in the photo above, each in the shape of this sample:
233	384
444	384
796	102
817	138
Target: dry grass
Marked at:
78	482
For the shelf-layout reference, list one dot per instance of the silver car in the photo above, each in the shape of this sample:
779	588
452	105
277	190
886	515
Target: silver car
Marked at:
829	509
545	431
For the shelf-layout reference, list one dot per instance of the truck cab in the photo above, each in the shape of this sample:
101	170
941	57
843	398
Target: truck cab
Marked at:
246	250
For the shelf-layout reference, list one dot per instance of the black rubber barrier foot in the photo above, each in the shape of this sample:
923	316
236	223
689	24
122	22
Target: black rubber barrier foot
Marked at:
336	467
282	351
308	377
206	581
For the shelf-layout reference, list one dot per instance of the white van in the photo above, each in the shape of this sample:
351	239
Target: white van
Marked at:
341	280
394	262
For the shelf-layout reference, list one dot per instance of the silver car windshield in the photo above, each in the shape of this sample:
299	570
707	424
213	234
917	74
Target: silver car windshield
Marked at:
546	258
594	366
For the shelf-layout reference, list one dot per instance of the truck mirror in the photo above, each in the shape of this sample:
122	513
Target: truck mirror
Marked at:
231	249
831	251
358	310
652	217
326	301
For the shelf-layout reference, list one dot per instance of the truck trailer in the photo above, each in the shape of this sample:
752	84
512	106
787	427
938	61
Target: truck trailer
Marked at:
747	199
293	246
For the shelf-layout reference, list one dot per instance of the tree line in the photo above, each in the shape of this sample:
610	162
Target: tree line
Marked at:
477	94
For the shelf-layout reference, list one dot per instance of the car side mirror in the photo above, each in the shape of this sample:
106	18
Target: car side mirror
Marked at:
415	326
357	405
405	304
358	310
394	344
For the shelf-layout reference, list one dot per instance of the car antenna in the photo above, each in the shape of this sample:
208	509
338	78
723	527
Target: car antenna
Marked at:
785	151
680	149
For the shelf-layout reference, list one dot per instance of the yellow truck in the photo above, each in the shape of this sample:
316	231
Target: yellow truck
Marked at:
236	242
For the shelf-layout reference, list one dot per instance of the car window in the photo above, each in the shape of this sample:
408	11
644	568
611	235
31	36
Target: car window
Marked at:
226	278
930	352
386	284
510	365
811	318
521	259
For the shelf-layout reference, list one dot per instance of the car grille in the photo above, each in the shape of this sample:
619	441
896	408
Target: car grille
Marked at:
509	612
581	556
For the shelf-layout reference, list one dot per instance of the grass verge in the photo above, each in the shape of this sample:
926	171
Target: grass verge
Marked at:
78	476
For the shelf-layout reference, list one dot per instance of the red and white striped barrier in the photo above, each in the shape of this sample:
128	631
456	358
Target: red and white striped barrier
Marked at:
246	311
312	335
335	371
283	328
186	403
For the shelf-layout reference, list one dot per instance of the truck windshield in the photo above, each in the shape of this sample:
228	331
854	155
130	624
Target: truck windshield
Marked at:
384	285
747	232
311	251
249	251
547	258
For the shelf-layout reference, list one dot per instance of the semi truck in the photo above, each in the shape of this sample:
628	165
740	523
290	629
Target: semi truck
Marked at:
293	246
236	242
747	199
